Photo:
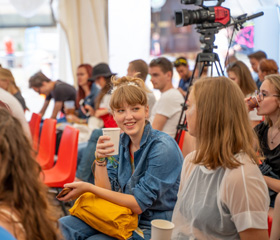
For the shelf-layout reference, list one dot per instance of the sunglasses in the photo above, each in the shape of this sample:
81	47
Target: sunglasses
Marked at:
180	61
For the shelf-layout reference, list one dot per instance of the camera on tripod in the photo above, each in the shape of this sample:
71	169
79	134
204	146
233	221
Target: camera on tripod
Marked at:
209	17
209	21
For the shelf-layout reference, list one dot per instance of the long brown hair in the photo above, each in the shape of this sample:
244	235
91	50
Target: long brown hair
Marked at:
103	92
81	94
20	186
246	81
223	126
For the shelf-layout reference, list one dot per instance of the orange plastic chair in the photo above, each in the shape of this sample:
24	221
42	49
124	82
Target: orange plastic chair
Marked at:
34	126
65	168
46	151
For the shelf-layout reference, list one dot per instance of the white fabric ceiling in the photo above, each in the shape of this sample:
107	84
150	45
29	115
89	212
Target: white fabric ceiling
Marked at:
239	7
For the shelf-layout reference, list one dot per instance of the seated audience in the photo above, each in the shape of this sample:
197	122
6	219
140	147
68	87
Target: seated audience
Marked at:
86	95
16	109
222	194
255	59
7	82
24	207
146	178
58	90
166	112
240	73
268	133
102	76
182	67
141	67
267	67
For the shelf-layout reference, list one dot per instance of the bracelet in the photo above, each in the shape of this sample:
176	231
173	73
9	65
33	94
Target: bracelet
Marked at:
101	164
99	160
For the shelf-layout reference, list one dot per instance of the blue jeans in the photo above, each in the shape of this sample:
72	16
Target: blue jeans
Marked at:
86	157
73	228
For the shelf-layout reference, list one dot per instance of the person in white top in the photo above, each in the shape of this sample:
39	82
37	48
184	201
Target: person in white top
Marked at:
166	112
222	194
16	109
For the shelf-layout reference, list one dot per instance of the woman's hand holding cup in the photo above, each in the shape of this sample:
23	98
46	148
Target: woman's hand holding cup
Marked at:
104	147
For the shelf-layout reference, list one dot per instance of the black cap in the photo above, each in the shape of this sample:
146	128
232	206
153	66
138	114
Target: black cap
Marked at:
101	70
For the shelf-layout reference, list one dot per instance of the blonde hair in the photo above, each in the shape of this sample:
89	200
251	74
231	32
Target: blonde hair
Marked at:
223	126
7	75
274	79
130	90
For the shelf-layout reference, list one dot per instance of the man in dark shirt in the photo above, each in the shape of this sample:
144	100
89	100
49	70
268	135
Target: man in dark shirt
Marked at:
58	90
182	67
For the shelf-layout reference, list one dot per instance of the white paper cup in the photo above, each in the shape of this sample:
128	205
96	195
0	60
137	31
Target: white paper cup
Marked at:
114	133
69	104
161	229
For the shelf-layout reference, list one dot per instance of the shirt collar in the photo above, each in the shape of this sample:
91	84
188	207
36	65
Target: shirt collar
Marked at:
124	140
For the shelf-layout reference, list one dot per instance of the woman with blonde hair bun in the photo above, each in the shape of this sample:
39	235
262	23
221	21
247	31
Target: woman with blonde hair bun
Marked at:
222	194
147	172
24	207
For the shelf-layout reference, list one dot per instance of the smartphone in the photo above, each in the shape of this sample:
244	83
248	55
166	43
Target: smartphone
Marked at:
64	192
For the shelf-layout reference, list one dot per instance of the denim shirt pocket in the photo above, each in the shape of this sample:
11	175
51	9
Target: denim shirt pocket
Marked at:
134	179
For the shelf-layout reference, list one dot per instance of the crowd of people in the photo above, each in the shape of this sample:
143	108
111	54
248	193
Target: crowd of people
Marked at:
225	188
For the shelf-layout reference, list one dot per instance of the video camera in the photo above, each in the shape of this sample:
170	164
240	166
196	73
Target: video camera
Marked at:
207	16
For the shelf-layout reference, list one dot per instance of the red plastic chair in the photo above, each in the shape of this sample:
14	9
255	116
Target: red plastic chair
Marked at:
65	168
181	141
269	221
46	151
34	126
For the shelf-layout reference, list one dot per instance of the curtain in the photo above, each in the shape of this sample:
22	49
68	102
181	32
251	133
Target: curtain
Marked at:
85	24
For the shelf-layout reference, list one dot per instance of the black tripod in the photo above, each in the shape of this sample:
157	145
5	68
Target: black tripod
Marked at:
207	58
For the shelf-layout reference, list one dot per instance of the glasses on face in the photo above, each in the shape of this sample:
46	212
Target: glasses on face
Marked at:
263	95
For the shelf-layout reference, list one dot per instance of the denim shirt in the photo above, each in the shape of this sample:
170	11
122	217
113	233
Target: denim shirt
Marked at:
156	178
184	84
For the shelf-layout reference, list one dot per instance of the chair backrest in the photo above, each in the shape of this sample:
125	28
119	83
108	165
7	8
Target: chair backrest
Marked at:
46	151
67	153
34	126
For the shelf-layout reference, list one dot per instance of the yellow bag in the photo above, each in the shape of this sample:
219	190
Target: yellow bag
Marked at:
109	218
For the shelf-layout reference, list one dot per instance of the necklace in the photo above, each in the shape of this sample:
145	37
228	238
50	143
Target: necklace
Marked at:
272	138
